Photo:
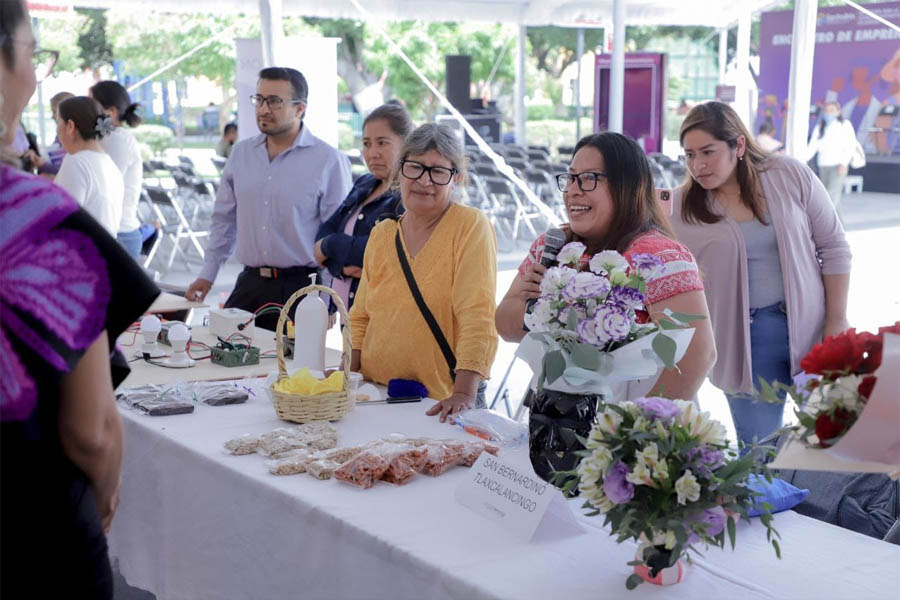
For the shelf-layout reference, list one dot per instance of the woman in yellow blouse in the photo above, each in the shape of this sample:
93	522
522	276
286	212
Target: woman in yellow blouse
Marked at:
452	253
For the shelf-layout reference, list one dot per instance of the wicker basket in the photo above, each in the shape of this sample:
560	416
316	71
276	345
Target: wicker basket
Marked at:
297	407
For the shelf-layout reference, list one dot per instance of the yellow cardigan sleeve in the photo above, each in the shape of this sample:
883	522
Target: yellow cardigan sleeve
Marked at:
474	297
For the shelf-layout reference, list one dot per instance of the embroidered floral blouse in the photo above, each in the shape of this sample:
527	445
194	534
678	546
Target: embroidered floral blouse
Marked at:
680	273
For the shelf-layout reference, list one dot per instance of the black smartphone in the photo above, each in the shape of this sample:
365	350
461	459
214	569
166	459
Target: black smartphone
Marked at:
402	399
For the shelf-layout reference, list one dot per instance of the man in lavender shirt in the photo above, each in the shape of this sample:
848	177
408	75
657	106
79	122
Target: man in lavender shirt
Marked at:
276	189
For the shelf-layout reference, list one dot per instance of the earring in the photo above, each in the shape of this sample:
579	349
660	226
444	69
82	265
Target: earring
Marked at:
740	158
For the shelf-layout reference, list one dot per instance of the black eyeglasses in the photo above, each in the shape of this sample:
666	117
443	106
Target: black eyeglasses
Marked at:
42	60
274	102
587	181
438	175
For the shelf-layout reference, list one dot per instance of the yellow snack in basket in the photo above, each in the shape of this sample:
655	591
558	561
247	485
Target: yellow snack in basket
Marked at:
304	383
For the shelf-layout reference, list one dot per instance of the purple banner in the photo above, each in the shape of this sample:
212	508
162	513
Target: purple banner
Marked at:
857	63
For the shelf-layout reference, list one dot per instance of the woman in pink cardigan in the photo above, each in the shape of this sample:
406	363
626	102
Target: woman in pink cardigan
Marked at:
772	252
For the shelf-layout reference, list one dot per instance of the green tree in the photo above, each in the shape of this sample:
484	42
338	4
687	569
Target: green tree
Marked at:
62	35
554	48
93	47
144	49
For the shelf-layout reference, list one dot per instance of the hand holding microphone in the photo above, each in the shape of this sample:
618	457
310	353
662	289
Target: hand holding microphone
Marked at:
554	240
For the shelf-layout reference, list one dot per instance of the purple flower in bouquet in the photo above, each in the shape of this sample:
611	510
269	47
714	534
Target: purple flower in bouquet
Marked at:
714	518
657	408
613	321
590	331
648	265
585	285
708	459
626	297
616	488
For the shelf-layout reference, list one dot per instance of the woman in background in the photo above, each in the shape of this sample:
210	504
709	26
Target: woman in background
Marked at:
451	251
123	149
341	240
87	172
772	251
833	143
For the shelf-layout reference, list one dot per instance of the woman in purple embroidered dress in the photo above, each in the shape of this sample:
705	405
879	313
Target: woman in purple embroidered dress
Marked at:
60	313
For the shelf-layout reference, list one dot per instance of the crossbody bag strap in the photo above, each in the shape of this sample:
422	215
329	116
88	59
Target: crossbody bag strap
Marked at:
423	308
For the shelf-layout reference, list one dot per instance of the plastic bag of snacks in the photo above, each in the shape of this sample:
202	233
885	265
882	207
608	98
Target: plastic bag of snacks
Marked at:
364	470
244	444
219	393
290	463
472	449
491	427
322	468
273	446
157	400
404	461
441	456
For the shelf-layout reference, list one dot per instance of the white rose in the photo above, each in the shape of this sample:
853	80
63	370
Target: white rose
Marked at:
687	488
606	261
844	392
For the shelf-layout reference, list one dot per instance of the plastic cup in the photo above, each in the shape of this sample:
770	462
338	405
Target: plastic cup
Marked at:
353	384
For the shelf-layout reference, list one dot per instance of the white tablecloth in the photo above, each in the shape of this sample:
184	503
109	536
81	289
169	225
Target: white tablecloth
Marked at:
196	523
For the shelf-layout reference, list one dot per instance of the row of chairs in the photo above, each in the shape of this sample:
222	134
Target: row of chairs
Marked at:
182	204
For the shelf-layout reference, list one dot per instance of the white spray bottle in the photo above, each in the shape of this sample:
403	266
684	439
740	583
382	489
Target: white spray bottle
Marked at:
310	327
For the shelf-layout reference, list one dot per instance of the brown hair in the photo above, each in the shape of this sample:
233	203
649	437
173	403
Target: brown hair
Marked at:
395	116
635	208
86	113
723	123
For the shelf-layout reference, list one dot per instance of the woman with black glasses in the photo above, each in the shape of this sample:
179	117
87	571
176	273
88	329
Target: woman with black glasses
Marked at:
447	254
611	204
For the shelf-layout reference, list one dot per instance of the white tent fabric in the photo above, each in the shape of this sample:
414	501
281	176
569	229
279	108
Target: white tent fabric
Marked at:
572	13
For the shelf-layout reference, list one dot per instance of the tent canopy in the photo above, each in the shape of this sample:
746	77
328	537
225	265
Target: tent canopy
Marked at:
568	13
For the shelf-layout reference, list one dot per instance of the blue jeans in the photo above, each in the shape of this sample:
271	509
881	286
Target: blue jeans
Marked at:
131	241
771	359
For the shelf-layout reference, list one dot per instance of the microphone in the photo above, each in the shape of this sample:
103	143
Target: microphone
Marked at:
554	240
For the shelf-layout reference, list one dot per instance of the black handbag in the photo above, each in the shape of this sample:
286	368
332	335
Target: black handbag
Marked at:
423	308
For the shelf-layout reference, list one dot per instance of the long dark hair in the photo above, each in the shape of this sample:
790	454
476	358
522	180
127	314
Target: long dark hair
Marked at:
723	123
635	208
840	117
111	94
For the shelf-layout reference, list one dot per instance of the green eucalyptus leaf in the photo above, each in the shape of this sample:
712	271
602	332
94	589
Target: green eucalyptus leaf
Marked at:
633	581
586	356
554	365
665	348
732	531
572	320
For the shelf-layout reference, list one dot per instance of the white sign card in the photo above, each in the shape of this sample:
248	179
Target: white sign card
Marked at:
516	499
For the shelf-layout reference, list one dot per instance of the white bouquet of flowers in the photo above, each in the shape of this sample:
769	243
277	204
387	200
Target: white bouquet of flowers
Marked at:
590	328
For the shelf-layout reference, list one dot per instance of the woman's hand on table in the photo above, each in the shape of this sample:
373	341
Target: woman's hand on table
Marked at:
459	401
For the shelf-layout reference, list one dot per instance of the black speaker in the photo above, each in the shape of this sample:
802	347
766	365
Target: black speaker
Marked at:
458	77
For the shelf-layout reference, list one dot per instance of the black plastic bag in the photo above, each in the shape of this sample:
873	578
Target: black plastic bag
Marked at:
555	422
